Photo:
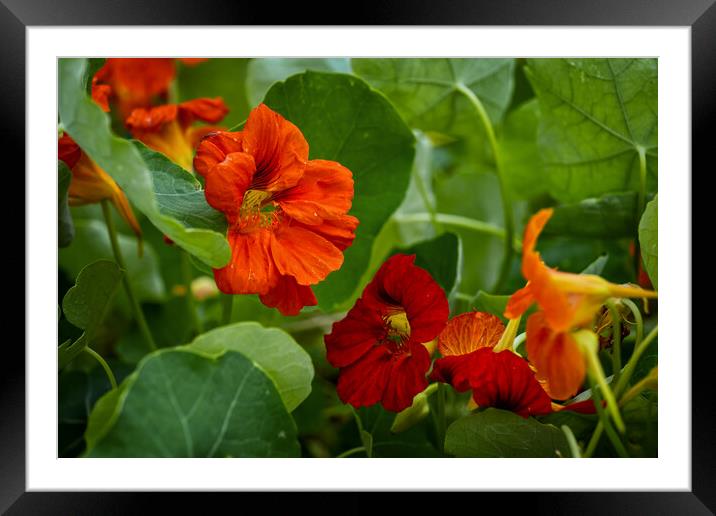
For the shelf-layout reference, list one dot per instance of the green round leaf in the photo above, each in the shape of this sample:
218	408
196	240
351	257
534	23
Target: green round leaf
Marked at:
344	120
181	403
280	357
499	433
597	114
65	226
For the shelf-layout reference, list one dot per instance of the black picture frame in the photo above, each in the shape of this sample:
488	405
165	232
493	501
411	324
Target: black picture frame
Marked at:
700	15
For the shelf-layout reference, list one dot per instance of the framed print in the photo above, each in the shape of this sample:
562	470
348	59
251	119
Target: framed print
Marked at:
346	258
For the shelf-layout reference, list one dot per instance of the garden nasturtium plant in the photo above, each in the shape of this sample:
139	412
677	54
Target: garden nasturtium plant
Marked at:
357	257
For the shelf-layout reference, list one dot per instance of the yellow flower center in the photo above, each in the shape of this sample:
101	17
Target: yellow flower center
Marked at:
398	327
256	209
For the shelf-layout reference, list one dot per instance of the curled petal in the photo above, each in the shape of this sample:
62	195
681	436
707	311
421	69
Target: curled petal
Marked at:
214	148
339	231
278	147
288	296
556	356
362	383
205	109
399	282
227	183
152	119
519	302
407	378
68	151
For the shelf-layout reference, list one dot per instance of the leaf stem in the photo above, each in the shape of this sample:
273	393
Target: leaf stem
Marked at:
572	441
190	301
506	200
227	305
458	221
422	163
616	340
110	375
596	374
136	307
352	451
641	205
639	349
606	424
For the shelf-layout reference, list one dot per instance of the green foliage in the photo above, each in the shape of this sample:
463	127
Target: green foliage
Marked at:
182	403
91	243
608	216
498	433
263	73
441	257
216	77
90	128
362	131
649	240
597	116
85	304
65	226
278	355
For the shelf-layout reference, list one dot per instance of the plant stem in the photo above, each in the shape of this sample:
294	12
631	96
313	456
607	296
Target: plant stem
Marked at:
631	365
616	340
110	375
504	192
440	422
606	424
136	307
227	304
639	348
352	451
458	221
422	163
572	441
596	374
641	205
190	301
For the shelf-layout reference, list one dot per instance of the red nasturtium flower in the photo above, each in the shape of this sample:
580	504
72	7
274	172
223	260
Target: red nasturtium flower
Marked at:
168	129
567	302
381	345
288	221
500	379
91	184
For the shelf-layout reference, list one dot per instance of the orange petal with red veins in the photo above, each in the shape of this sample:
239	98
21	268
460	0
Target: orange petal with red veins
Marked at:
288	296
556	356
205	109
303	254
519	302
213	148
325	191
468	332
278	147
227	183
251	269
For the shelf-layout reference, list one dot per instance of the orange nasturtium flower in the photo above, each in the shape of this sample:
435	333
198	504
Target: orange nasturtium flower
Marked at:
90	184
168	129
288	221
567	302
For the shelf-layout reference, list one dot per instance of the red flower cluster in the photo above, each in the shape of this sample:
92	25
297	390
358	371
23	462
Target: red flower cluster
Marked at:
380	346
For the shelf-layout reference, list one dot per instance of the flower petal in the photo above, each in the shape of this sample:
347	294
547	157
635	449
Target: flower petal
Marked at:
251	269
288	296
324	192
407	378
468	332
339	231
556	357
519	302
205	109
303	254
353	336
399	282
227	183
362	384
214	148
278	147
151	119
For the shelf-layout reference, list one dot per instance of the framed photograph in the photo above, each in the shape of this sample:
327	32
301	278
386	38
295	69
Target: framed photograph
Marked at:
414	256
